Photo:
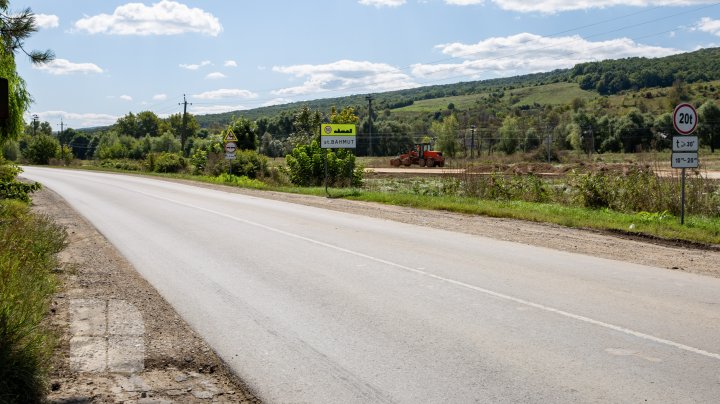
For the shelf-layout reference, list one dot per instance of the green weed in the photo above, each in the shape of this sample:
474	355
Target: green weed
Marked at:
28	245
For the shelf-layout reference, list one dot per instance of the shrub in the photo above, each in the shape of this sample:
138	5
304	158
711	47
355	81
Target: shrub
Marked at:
166	163
247	163
40	149
306	166
122	164
11	151
198	161
10	188
28	245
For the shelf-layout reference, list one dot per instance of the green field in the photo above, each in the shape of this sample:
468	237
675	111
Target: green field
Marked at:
548	94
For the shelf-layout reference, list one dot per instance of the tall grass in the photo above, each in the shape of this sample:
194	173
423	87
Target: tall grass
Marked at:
28	247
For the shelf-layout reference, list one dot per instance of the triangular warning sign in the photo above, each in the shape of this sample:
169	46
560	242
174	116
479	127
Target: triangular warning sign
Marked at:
230	137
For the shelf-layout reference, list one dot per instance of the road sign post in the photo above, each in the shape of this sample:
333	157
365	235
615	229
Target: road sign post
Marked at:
336	136
685	147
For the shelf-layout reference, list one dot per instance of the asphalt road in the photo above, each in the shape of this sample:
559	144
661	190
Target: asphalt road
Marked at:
309	305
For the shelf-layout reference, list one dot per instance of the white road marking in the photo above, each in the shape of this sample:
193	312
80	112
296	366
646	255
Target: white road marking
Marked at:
488	292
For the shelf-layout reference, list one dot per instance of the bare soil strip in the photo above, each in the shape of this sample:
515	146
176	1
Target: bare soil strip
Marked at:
118	340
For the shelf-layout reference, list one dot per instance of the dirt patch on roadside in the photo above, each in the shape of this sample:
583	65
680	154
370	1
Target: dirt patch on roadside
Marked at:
162	361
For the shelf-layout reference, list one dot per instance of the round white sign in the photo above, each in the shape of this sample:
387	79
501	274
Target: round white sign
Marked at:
685	119
230	147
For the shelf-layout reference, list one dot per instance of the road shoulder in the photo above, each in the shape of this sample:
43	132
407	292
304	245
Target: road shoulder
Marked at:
118	340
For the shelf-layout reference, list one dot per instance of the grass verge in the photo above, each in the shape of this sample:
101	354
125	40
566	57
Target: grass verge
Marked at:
28	248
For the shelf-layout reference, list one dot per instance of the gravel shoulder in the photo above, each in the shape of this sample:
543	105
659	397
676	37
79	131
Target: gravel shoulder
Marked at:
176	364
180	367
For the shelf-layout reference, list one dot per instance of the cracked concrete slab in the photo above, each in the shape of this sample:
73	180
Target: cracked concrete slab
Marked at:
108	336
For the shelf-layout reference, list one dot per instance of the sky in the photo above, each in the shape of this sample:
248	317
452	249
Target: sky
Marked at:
115	57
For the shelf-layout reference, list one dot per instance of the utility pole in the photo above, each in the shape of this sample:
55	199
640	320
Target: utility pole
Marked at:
369	98
472	140
62	148
183	135
35	124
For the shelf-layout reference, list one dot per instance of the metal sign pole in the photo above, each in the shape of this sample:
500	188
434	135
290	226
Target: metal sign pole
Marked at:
326	173
682	197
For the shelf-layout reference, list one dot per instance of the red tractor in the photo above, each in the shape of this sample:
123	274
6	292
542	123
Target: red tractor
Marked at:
422	155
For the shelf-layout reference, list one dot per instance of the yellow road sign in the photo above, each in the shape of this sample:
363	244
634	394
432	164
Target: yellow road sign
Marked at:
230	137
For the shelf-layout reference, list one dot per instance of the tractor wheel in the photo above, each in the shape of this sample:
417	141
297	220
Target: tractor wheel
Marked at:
406	162
430	163
395	162
441	163
421	163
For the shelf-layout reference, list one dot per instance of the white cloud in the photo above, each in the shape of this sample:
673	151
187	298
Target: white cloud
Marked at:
555	6
78	120
125	98
196	66
230	63
163	18
215	76
47	21
350	75
709	25
528	53
216	109
160	97
64	66
382	3
225	93
464	2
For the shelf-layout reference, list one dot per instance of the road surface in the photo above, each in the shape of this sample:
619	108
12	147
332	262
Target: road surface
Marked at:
309	305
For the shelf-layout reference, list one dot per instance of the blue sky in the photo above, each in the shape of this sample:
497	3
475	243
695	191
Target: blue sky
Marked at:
113	57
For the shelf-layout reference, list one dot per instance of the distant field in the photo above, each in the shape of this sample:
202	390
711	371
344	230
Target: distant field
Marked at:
549	94
461	102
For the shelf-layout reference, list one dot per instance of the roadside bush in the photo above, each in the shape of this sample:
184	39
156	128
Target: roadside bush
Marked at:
40	149
247	163
165	163
306	166
122	164
28	248
165	143
11	151
10	188
110	147
497	186
641	190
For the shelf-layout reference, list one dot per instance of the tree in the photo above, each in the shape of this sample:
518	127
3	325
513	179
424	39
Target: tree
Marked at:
306	125
147	124
709	125
80	145
127	125
574	136
509	134
663	130
634	131
345	116
446	132
14	29
394	137
40	149
66	136
244	130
